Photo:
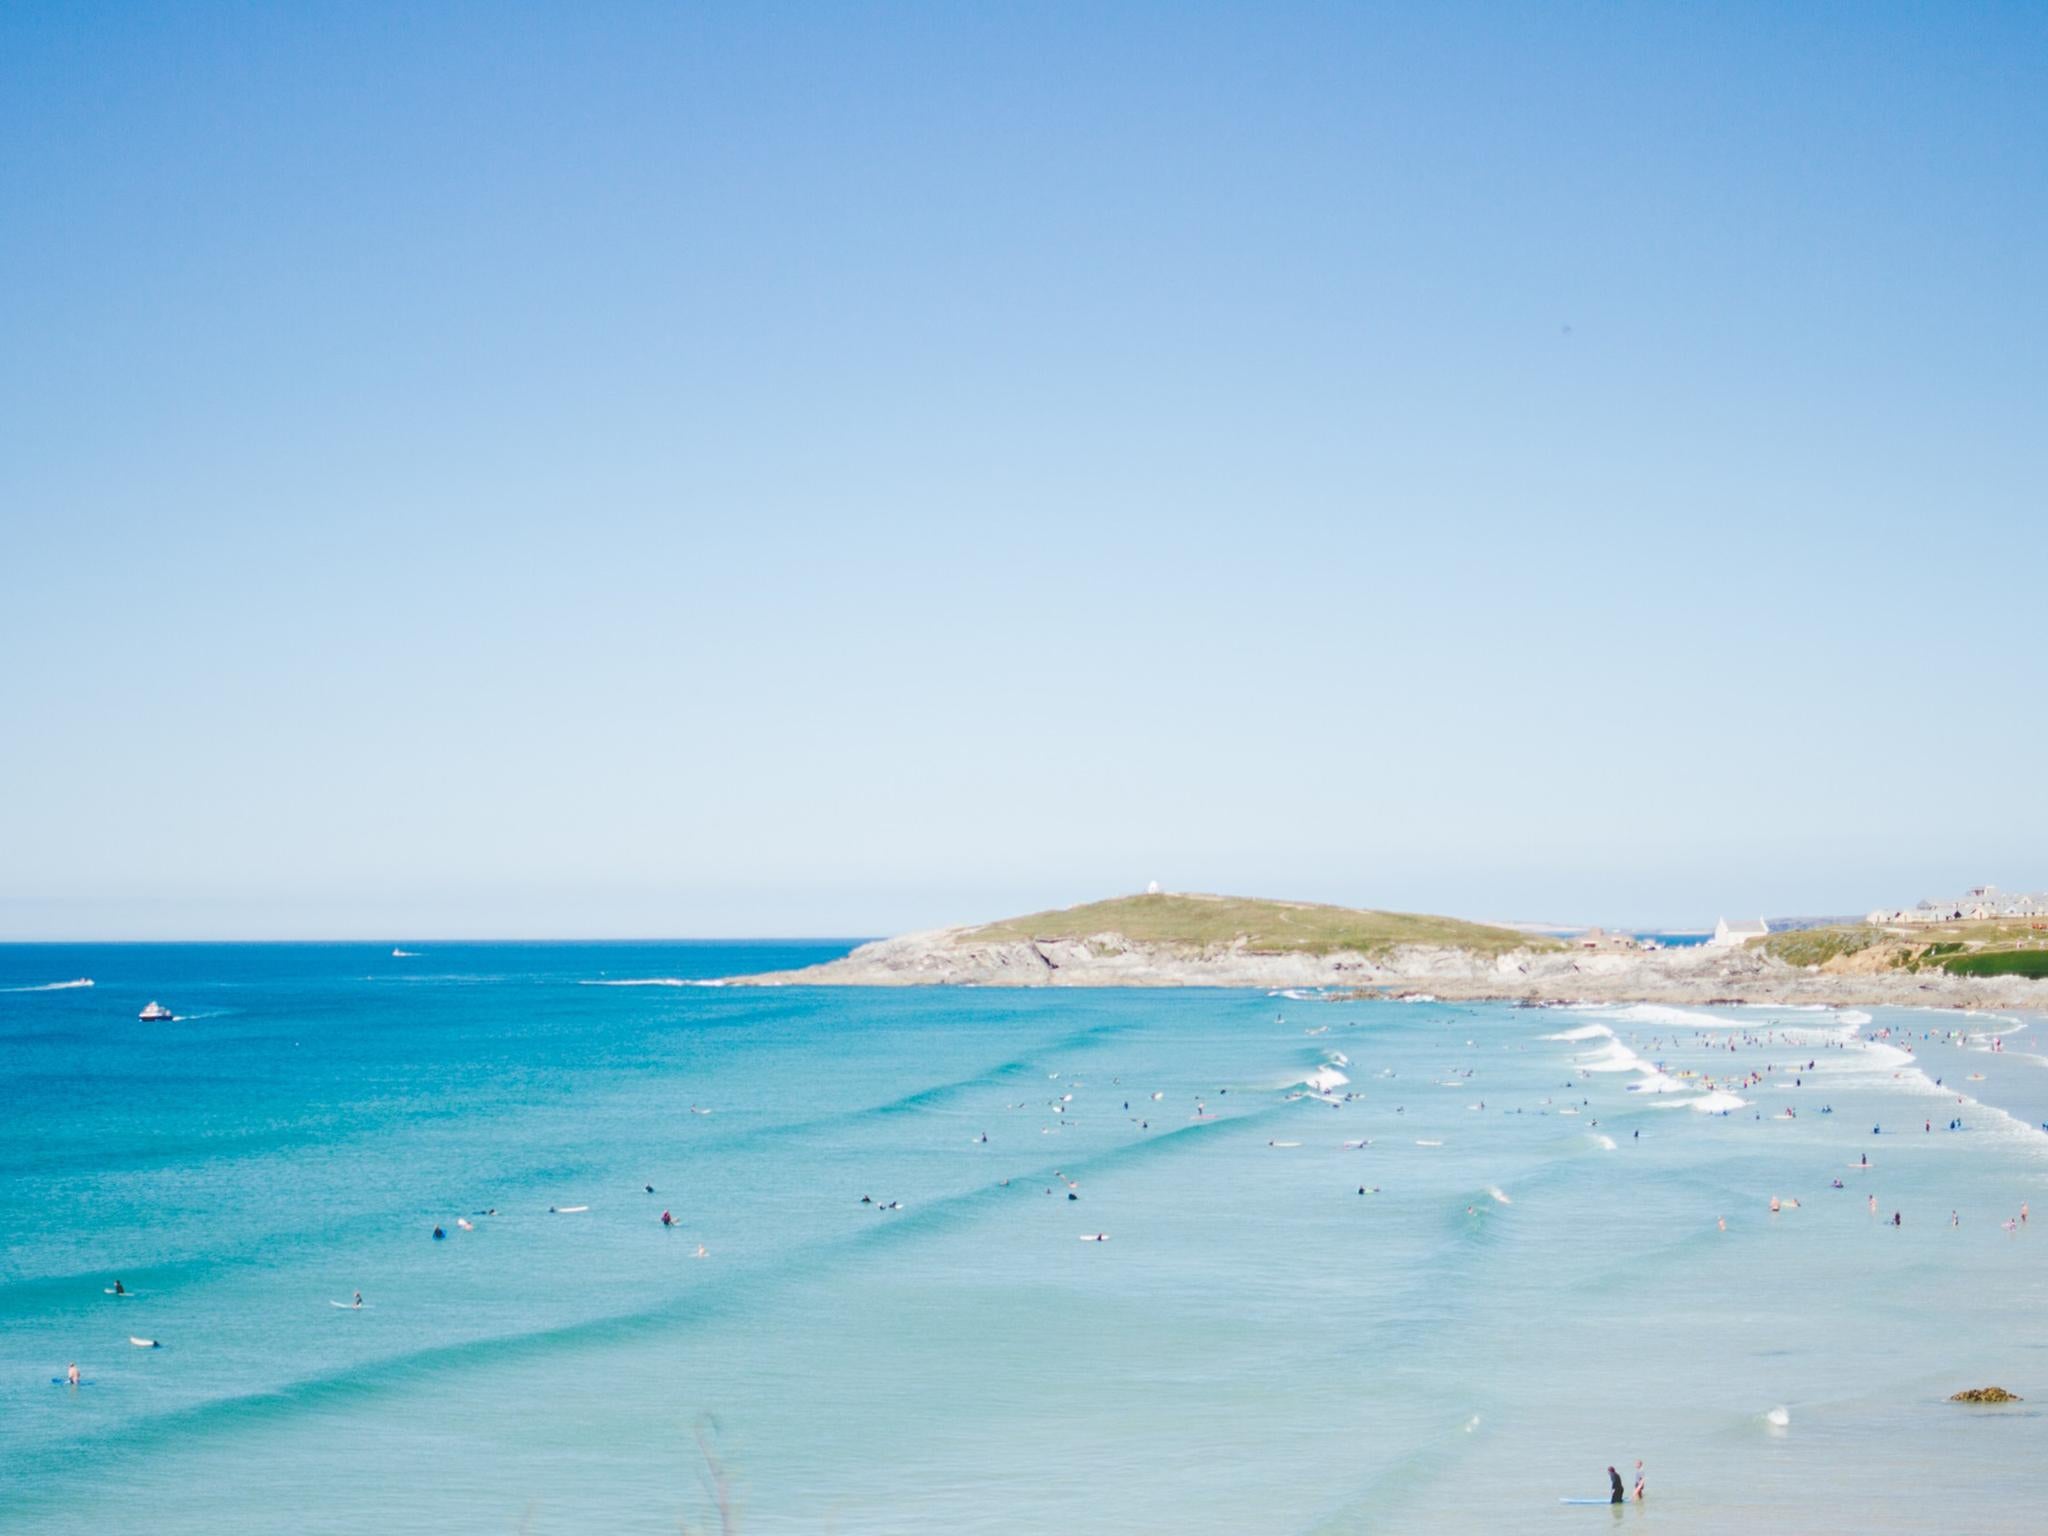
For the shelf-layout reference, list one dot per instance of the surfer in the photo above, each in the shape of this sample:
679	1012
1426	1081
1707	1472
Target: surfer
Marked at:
120	1289
667	1220
71	1373
1614	1478
358	1301
439	1234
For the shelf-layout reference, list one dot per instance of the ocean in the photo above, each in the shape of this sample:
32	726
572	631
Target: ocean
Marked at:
1481	1265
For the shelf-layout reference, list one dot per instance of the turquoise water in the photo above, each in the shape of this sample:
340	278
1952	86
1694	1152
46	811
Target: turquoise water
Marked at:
1257	1347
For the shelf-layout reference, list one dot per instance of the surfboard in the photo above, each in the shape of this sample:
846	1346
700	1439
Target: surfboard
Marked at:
142	1343
350	1306
1585	1501
112	1292
59	1381
568	1210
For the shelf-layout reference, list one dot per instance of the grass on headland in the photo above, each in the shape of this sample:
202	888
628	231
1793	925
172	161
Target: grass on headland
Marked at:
1991	947
1264	927
2004	962
1817	946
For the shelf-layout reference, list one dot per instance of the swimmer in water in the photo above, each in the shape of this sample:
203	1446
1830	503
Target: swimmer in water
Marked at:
439	1234
667	1220
701	1253
1721	1222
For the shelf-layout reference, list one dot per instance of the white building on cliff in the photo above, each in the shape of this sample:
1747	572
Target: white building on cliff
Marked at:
1729	935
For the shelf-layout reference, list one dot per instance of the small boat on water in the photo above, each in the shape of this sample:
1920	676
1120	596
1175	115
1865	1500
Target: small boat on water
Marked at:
156	1011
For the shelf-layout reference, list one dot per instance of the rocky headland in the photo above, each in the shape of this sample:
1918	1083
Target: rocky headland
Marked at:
1204	941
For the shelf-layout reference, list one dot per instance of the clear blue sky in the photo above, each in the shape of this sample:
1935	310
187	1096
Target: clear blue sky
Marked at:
663	469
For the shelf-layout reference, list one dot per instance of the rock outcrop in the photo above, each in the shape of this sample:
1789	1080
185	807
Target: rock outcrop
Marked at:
958	957
1986	1395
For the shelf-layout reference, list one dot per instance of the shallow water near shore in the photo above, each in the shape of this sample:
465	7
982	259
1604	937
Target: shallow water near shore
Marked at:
1522	1297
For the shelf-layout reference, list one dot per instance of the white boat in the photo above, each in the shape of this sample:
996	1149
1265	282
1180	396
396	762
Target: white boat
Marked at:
156	1011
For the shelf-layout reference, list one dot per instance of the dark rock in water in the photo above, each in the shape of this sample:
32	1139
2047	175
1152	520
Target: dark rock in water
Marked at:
1986	1395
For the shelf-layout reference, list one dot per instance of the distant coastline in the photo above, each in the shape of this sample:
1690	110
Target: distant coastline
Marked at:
1190	940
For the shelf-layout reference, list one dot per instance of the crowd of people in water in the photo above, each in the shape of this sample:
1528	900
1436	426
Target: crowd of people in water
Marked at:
1793	1055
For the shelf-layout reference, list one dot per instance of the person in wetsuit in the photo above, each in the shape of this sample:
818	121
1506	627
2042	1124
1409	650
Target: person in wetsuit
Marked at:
1614	1477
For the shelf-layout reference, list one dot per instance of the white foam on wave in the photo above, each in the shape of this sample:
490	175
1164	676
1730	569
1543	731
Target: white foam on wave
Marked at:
52	986
1989	1119
1719	1102
1853	1016
1658	1013
1325	1080
1499	1194
656	981
1614	1057
1583	1032
1606	1142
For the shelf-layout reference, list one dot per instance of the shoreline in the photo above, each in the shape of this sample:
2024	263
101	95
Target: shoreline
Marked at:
1694	975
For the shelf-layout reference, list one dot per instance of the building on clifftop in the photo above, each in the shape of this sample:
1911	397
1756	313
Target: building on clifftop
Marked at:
1729	935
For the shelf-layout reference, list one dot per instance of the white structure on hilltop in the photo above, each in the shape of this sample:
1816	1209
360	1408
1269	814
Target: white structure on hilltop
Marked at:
1152	889
1729	935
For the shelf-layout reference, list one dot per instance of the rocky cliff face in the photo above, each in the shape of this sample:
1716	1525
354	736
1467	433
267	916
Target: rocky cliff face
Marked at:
955	957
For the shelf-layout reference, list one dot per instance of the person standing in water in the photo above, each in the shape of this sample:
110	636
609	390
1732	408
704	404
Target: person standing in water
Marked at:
359	1299
1639	1482
1614	1478
71	1373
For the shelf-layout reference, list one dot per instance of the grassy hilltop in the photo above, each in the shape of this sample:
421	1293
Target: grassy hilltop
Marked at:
1991	947
1264	927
